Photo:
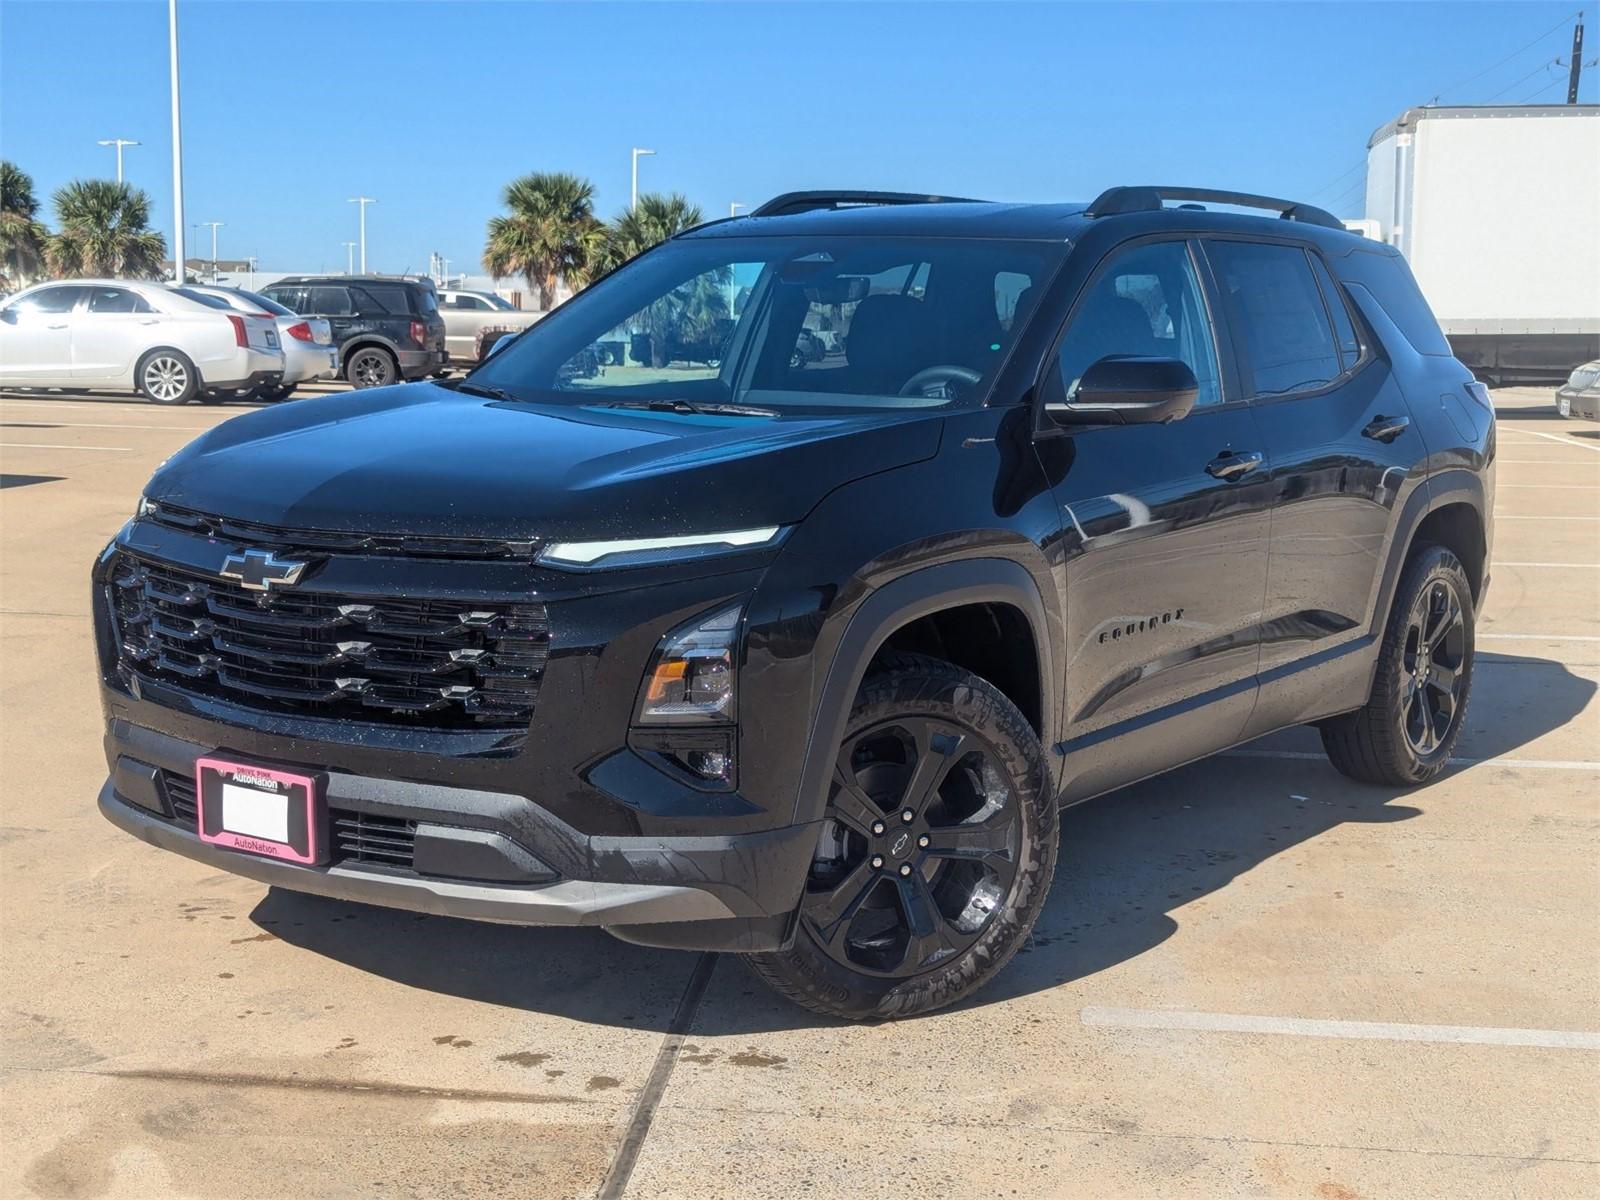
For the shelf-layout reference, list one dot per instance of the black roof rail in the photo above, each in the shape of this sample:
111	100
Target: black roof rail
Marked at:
799	202
1149	199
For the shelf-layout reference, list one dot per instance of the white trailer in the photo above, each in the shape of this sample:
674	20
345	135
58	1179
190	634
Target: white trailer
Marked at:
1497	209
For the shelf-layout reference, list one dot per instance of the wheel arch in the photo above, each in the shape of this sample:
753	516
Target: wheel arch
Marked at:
927	605
146	355
365	341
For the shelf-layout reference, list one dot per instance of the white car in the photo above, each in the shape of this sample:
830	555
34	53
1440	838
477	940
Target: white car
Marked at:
308	350
119	335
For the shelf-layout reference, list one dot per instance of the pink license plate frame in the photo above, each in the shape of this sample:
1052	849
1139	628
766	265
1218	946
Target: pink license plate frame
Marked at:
302	795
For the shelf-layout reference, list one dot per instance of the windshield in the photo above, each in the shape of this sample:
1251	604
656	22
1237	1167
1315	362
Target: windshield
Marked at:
786	323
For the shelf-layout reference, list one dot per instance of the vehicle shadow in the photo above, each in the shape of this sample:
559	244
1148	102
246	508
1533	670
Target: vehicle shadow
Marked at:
1130	861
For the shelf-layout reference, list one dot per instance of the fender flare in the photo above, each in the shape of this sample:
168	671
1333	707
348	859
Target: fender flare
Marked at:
362	340
886	609
1454	485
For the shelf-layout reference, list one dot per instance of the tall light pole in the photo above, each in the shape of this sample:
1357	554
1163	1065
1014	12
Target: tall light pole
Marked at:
119	143
177	147
634	203
733	209
215	225
251	263
363	201
349	258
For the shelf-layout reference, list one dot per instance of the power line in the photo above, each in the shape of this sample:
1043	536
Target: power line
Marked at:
1561	24
1544	66
1340	178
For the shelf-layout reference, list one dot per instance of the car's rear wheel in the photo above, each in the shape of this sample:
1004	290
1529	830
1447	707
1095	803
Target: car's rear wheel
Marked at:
167	377
371	366
1405	733
936	853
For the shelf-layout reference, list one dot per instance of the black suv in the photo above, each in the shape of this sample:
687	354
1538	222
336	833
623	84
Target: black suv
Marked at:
798	653
387	329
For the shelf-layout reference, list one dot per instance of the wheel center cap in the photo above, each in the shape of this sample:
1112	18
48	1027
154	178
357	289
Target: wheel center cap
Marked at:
901	843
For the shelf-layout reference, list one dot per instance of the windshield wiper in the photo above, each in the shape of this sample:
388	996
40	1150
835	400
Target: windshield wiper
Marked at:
483	389
685	406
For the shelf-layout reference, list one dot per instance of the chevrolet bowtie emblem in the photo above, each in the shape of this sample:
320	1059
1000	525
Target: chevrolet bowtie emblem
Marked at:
261	570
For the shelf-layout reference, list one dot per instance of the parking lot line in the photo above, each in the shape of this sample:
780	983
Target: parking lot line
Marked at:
1579	566
1548	462
1560	439
55	446
1538	637
99	425
1559	487
1534	764
1384	1031
1500	516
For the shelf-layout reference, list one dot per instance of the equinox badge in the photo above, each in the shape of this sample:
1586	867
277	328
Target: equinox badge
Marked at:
261	570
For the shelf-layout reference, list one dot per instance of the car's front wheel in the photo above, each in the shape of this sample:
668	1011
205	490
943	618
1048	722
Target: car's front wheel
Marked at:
936	853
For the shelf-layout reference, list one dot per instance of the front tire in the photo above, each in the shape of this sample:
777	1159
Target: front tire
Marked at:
936	854
167	377
1409	727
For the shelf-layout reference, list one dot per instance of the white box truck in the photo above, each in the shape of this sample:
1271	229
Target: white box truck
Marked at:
1497	209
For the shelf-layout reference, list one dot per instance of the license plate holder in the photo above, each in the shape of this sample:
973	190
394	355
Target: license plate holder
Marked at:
261	810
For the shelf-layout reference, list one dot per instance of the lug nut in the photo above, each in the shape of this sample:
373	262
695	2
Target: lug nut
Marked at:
924	841
908	816
905	868
877	862
878	827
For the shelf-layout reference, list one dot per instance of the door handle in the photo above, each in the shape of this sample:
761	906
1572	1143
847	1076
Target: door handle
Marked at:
1386	429
151	321
1233	466
63	325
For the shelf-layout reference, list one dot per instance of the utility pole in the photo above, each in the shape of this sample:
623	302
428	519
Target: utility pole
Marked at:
119	143
634	203
349	258
363	201
1576	70
177	148
215	225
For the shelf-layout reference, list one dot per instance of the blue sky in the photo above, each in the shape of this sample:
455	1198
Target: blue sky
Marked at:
291	107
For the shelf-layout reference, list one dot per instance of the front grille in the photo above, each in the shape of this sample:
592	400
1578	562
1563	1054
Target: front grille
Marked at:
424	664
275	537
357	836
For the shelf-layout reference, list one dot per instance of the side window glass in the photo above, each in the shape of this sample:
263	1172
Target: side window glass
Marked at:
1344	329
1012	297
1277	309
328	302
51	300
1147	304
116	300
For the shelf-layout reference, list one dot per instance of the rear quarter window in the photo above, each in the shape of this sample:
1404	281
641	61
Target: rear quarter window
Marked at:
1391	283
383	298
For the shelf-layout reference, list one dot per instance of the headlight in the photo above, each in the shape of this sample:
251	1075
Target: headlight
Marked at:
145	507
635	552
692	677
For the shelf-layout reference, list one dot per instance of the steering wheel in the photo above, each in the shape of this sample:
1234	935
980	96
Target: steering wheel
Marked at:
922	383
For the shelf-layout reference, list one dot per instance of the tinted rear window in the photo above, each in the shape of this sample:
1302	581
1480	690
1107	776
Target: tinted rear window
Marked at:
384	297
1390	281
268	306
203	298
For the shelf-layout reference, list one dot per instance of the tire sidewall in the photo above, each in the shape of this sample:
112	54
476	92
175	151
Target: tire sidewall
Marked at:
1433	565
189	393
969	702
391	366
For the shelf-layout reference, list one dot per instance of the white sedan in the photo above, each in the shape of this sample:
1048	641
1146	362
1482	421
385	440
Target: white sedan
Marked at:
119	335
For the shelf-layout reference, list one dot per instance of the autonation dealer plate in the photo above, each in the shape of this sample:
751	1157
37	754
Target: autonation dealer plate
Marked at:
260	810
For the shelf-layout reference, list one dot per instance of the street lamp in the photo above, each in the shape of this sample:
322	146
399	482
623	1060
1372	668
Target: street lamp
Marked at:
119	143
177	148
251	263
215	225
363	201
634	203
733	209
349	258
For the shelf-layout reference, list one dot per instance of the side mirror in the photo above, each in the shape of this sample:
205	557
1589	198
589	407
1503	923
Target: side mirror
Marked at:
1129	391
8	315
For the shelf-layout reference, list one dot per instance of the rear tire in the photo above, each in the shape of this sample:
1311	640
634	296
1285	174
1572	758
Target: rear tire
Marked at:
1409	727
371	366
167	377
937	853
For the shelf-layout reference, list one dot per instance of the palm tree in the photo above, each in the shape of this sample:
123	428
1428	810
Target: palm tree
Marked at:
551	233
105	231
655	219
22	234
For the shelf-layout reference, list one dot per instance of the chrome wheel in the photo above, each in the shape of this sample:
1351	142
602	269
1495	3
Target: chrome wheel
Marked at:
920	849
165	379
1435	653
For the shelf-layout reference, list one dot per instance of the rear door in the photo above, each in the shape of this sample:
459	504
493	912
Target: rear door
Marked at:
1343	455
36	336
1164	539
109	334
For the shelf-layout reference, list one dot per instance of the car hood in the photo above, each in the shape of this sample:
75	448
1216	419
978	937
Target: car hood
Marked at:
423	459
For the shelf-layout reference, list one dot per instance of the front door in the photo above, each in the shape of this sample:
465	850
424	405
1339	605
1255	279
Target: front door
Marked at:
1164	543
110	333
36	339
